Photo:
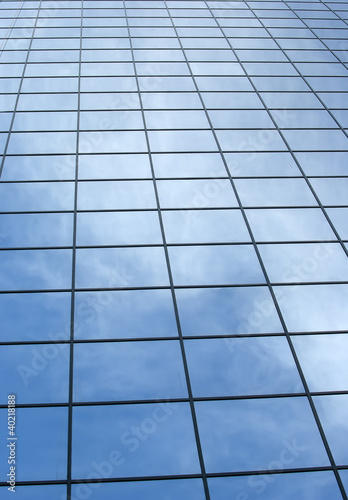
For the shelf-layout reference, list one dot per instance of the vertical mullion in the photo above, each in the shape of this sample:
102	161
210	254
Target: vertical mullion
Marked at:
270	287
166	252
72	318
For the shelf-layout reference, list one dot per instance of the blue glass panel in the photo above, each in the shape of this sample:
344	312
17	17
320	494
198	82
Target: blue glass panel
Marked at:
121	267
112	142
185	489
333	413
204	226
332	163
128	370
37	168
224	311
181	141
124	314
39	374
55	492
36	230
138	442
331	191
215	265
261	164
35	269
117	228
114	166
42	432
339	218
303	140
293	224
234	367
318	307
305	262
207	193
250	140
324	360
19	197
302	485
274	192
188	165
244	435
116	195
43	316
42	143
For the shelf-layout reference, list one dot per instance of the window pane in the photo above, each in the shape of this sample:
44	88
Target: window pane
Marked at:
35	269
227	311
121	267
305	262
318	307
155	427
51	424
128	371
333	411
204	226
44	316
215	264
116	195
114	166
301	485
186	489
124	314
290	419
232	367
41	375
36	230
196	193
297	224
33	196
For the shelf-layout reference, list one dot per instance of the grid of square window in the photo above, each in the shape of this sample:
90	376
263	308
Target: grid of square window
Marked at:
173	249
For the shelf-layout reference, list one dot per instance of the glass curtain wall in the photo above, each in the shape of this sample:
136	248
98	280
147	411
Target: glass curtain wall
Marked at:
173	263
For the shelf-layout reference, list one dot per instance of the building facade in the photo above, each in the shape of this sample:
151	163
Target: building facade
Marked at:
173	263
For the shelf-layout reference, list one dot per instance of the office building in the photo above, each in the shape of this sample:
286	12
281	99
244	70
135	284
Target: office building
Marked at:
173	263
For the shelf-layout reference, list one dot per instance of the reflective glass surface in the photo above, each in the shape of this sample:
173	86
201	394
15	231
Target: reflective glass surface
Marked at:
173	248
234	366
124	314
262	428
136	444
128	370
